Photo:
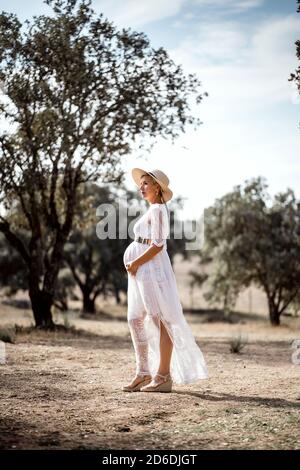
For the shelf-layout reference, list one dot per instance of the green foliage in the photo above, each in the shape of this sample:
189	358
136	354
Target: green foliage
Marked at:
64	289
97	265
237	343
13	269
295	77
252	239
77	95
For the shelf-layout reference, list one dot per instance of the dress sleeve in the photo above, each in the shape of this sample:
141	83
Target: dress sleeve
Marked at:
159	225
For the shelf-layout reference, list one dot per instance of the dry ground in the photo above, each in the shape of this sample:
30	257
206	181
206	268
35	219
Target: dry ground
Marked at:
63	391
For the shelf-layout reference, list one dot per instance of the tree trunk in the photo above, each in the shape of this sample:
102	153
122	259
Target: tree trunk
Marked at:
226	306
41	303
117	296
88	302
274	313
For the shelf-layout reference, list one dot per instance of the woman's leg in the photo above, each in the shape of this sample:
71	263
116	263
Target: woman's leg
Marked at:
140	343
166	347
162	379
136	319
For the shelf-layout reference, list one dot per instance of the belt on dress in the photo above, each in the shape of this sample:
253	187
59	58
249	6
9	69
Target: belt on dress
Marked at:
147	241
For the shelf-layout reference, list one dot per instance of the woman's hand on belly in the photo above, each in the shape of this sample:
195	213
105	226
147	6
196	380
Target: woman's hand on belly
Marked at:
132	267
152	251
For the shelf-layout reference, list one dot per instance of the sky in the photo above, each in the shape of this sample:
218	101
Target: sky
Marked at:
243	52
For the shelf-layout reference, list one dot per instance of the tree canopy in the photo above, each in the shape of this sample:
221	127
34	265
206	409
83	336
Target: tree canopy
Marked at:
251	239
77	95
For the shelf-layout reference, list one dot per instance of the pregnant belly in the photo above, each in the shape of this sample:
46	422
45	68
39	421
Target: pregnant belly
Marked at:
129	253
133	250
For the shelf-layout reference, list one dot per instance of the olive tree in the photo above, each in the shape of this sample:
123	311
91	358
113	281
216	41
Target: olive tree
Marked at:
77	95
250	238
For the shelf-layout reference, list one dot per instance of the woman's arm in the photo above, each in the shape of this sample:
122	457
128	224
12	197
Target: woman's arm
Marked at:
146	256
159	227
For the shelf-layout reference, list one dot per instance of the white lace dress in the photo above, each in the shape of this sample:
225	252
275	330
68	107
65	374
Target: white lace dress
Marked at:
152	296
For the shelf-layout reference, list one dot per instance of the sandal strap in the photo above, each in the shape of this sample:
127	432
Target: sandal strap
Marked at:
163	376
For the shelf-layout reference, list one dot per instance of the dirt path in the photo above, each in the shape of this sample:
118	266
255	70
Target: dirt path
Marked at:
60	391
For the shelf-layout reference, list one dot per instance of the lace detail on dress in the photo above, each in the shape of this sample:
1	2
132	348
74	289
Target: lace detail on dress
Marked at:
153	299
159	225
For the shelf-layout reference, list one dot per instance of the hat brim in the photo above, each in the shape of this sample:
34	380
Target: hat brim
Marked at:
137	173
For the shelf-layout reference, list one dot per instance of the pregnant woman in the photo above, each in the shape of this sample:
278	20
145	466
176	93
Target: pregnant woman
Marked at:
165	349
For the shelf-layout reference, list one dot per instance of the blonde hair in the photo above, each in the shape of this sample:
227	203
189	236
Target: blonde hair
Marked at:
160	193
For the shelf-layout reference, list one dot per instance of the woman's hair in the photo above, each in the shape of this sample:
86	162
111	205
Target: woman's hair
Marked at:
162	199
160	193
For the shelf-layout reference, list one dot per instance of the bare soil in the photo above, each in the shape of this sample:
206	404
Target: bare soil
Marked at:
62	390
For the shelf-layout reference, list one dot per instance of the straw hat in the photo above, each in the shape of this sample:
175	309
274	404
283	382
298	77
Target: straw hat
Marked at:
160	177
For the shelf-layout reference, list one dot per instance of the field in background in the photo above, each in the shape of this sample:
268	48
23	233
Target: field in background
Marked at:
251	300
